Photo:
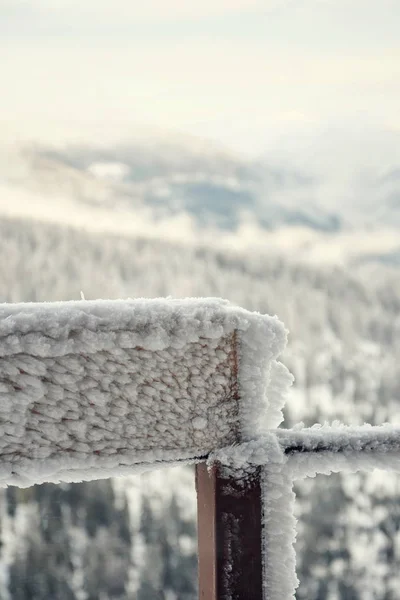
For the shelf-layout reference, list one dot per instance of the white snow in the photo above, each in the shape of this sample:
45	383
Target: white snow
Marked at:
97	389
287	455
240	459
106	388
279	534
331	449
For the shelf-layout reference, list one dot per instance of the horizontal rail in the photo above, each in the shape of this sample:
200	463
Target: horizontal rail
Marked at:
365	438
319	449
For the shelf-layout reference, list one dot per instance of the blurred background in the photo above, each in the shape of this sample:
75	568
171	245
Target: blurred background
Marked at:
248	149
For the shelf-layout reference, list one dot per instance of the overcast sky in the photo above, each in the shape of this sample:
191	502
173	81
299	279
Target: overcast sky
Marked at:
242	72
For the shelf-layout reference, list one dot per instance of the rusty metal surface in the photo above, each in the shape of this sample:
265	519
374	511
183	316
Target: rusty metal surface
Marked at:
206	532
229	530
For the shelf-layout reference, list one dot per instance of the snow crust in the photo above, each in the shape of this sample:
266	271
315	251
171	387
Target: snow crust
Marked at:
321	449
279	534
239	460
287	455
100	388
330	449
106	388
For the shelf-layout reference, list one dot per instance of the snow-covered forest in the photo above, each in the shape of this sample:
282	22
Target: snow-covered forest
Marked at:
136	538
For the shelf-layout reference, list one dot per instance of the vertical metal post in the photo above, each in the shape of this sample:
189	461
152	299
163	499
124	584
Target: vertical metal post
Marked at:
229	535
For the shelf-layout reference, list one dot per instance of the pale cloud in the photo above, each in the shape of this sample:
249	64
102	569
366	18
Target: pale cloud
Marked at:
137	9
304	67
222	90
97	12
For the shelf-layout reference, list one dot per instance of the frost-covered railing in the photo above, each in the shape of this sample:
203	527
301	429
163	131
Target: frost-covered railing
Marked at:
95	389
274	461
98	389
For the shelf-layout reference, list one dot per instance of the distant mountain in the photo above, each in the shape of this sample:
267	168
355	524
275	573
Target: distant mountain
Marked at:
184	188
170	178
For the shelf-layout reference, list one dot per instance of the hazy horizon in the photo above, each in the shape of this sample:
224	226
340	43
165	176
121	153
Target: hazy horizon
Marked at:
250	75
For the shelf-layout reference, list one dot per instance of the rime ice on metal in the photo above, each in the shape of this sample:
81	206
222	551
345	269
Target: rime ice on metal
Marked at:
94	389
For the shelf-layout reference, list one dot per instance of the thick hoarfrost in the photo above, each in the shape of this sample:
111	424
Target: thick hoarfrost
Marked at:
97	389
94	389
287	455
279	534
324	449
321	449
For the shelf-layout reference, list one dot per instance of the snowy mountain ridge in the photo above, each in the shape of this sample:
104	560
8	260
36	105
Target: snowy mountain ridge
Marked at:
194	194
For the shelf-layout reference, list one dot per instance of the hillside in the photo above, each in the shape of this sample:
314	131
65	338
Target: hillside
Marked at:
179	188
344	350
164	178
